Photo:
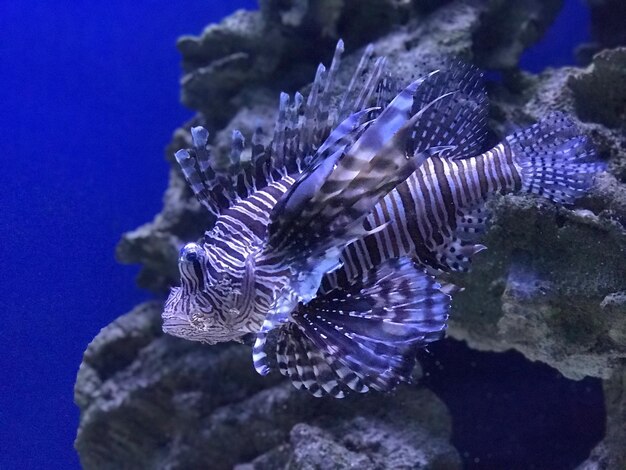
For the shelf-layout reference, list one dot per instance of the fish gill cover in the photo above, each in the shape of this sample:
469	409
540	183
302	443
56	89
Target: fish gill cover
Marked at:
344	234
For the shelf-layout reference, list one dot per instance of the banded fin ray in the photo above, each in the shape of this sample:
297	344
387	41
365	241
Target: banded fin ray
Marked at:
218	186
460	123
366	333
305	365
301	127
323	210
421	217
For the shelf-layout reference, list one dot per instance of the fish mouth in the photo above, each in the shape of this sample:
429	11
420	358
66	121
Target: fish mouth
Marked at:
175	328
180	328
185	329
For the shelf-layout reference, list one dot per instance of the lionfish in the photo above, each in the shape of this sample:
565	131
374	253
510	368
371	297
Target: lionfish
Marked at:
334	235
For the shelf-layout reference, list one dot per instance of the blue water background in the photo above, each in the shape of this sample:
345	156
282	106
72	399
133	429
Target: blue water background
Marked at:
89	98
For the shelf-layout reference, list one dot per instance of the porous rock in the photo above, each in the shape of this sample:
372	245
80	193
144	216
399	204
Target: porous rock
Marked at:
228	63
152	401
551	284
548	270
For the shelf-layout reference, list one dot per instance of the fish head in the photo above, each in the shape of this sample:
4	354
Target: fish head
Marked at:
205	307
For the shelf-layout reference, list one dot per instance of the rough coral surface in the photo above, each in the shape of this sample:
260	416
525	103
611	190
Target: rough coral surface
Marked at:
556	274
552	284
150	400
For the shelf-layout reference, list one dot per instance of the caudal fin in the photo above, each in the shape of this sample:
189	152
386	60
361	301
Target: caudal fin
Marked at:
364	335
556	160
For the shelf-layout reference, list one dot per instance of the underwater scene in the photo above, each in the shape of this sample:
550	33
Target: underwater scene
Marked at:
334	234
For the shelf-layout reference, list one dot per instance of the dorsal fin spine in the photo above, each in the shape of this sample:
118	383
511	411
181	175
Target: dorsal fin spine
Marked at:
301	126
344	107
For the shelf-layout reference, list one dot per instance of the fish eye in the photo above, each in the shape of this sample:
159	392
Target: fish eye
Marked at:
190	264
190	253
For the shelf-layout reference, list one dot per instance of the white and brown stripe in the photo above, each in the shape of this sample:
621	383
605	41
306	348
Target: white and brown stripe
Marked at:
423	214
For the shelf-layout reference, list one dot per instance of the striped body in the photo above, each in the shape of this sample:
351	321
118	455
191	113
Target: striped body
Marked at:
237	290
424	211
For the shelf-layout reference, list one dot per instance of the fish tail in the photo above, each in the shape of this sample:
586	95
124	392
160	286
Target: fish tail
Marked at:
554	159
